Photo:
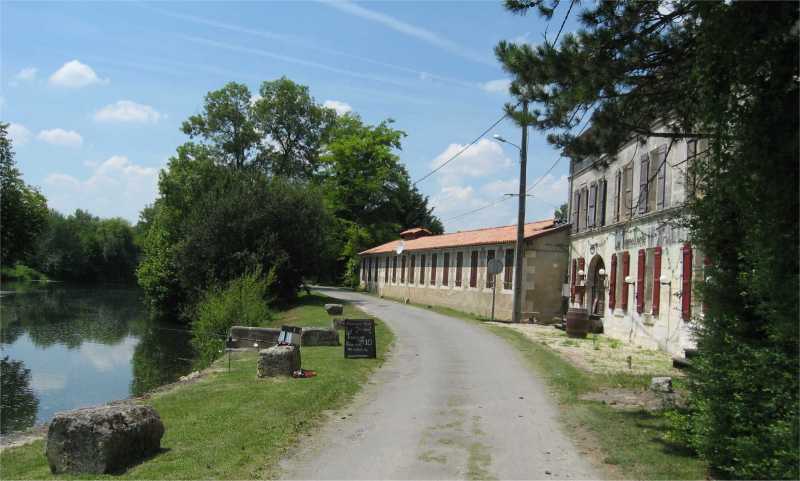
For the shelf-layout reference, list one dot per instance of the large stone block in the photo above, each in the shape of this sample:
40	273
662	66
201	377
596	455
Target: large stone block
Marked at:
104	439
319	336
334	309
243	337
278	361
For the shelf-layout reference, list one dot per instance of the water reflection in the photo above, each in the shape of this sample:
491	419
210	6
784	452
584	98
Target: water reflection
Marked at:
81	346
18	404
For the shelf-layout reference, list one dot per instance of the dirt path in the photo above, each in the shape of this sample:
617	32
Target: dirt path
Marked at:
453	402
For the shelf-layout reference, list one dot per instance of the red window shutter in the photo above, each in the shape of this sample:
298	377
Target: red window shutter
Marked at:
686	294
626	269
574	274
640	282
612	286
657	281
582	267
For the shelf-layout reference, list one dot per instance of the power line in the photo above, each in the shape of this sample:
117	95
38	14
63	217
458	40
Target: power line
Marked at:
461	151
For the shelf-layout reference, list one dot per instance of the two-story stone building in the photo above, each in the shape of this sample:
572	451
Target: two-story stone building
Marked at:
450	269
632	265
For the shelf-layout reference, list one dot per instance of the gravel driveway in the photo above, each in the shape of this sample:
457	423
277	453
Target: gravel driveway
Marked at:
453	401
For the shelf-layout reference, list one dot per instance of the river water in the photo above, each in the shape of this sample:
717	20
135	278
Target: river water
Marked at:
64	347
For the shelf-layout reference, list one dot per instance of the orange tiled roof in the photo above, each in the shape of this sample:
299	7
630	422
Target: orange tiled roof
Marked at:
490	235
415	230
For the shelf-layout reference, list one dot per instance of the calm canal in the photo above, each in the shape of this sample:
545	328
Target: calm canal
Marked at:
64	347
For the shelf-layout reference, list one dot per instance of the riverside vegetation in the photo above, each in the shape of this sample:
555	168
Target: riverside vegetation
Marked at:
212	431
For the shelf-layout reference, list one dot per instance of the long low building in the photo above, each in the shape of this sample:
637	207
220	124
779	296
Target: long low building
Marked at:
450	269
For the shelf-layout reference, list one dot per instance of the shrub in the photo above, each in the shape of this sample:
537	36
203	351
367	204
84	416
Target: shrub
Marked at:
21	273
241	302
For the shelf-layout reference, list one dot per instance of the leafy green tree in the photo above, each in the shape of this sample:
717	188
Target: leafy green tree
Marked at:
368	189
725	73
296	128
23	210
213	223
560	214
281	131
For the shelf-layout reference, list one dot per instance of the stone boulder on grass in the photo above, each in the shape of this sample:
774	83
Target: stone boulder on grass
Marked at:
106	439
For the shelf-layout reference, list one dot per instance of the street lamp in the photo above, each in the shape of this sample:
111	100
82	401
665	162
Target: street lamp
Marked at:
500	138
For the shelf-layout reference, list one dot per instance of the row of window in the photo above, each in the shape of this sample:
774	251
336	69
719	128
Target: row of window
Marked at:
647	292
429	265
589	208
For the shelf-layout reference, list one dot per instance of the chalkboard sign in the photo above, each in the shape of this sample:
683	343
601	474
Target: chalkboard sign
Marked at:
359	338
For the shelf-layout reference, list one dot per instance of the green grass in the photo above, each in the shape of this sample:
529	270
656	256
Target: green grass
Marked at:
231	425
21	273
631	443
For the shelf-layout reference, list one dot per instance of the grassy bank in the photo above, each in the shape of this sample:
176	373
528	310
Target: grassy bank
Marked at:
630	444
231	425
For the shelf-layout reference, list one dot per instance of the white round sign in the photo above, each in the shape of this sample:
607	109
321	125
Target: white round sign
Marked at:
494	266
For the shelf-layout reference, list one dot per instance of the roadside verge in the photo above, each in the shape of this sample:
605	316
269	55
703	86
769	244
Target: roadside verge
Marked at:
231	425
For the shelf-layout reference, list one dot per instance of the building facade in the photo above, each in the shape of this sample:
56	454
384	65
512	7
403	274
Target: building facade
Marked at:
632	265
450	269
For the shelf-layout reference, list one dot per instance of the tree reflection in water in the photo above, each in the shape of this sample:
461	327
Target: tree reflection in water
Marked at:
18	403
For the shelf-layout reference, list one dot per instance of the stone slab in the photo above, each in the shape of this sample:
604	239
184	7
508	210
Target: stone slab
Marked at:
278	361
104	439
319	336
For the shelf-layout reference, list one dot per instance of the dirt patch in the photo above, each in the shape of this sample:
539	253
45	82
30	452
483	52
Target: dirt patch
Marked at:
598	353
631	399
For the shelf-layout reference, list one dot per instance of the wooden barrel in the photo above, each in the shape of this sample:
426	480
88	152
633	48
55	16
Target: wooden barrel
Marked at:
577	322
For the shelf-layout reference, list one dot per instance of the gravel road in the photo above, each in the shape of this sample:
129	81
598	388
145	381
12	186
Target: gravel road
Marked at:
453	401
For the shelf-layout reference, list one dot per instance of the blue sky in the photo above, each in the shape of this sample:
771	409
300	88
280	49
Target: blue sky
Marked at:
96	92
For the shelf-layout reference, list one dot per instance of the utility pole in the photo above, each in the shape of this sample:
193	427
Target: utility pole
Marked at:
519	253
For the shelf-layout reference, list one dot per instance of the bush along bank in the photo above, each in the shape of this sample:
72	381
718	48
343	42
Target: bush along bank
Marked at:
231	425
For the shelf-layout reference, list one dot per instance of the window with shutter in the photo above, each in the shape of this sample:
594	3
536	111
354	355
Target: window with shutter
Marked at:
433	268
573	280
446	270
422	270
576	208
691	153
626	271
369	270
686	284
644	170
412	269
459	267
656	281
640	287
585	208
508	269
590	211
386	271
582	267
473	269
601	203
661	178
394	269
612	284
627	198
489	277
403	270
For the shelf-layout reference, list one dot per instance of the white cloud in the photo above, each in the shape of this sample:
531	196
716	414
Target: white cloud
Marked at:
484	158
42	381
340	107
127	111
414	31
116	188
106	358
28	73
502	187
66	138
499	85
19	134
74	74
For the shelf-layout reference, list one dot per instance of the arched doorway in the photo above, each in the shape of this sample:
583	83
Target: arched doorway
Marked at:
596	287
